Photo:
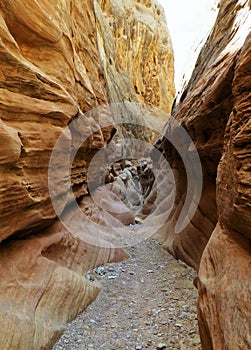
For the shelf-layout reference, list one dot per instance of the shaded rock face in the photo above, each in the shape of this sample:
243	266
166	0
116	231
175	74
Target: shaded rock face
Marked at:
59	60
224	273
215	110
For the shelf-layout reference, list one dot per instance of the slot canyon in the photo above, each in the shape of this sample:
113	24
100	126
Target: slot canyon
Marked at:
125	210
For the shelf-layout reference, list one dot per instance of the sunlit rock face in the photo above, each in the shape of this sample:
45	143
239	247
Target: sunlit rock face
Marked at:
135	51
60	59
215	110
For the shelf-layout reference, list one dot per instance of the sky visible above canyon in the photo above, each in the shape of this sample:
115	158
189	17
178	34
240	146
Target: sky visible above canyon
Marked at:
189	23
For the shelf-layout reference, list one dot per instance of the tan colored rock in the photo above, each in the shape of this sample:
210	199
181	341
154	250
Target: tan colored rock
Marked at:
204	111
10	144
43	286
224	291
224	274
234	190
135	50
215	110
55	69
58	60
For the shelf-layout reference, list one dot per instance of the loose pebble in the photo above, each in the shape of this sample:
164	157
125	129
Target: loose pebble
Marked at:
140	307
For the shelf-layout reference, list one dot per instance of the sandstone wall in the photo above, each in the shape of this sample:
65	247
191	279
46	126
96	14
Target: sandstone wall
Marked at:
215	110
58	60
224	274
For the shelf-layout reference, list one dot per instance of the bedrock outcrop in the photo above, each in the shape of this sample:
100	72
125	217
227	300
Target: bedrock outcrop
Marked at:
214	108
59	60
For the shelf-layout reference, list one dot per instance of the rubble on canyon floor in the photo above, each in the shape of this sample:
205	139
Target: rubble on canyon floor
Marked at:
145	302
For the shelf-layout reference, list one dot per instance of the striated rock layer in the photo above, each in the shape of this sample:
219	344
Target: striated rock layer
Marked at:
215	110
59	60
56	61
224	273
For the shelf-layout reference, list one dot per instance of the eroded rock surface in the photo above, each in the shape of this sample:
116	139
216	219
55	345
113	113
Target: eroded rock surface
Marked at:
215	110
224	273
59	60
55	68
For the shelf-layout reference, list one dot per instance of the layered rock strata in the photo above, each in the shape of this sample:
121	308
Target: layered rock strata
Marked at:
59	60
215	111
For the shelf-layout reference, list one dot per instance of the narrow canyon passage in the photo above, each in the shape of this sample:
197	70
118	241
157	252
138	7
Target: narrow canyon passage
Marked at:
98	149
146	302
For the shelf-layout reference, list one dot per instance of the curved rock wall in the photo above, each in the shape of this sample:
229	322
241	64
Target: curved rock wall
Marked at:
59	60
224	273
215	110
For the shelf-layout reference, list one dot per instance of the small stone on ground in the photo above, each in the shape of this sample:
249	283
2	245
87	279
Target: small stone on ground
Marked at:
146	302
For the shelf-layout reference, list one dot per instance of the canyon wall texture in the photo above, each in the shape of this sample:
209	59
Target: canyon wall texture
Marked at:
59	60
215	110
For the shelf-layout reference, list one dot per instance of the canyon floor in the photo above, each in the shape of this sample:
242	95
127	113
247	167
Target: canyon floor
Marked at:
146	302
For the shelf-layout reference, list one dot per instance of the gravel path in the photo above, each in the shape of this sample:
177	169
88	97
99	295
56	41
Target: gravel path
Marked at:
146	302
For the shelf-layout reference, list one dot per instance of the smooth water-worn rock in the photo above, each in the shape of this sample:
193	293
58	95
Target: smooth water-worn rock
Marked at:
59	60
224	273
215	110
70	59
